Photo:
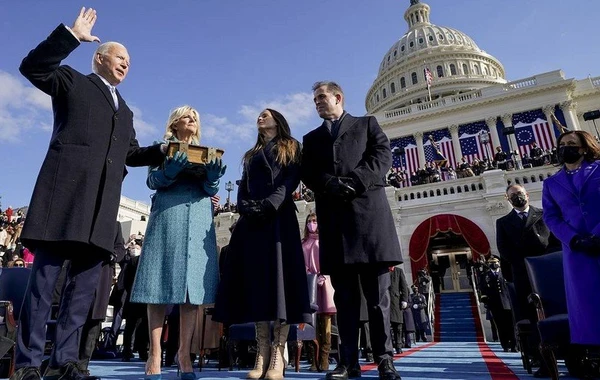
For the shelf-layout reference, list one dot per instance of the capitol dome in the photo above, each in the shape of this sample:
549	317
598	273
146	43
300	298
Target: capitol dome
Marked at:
455	61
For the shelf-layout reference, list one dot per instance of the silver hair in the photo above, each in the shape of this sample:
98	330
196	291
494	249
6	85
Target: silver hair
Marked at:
102	50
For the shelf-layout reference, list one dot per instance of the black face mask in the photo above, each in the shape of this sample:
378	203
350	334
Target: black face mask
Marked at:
568	154
494	266
518	200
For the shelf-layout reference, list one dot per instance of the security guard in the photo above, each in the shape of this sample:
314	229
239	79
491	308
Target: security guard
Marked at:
495	297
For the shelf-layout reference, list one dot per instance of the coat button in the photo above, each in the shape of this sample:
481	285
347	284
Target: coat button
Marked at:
115	138
110	160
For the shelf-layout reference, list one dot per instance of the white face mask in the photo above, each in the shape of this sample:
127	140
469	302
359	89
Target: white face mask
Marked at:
136	252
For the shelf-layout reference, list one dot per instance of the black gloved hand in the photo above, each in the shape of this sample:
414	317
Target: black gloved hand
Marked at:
587	244
341	188
257	208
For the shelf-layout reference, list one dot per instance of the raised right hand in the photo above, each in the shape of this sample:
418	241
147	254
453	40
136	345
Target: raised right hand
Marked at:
174	165
82	27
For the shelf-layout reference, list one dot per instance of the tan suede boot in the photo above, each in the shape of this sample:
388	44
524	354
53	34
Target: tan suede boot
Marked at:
324	327
263	351
278	364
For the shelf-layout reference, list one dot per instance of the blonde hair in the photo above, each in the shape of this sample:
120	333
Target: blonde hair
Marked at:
174	117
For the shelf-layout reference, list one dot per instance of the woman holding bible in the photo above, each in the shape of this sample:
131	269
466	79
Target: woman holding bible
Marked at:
179	262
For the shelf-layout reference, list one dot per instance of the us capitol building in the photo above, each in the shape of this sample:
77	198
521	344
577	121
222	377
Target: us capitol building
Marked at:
452	222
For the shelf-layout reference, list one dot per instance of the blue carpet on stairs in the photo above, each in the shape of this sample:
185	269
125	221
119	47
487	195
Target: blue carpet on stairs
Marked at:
456	321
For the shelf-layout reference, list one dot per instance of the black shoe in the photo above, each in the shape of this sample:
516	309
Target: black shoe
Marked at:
513	349
127	356
387	371
505	349
369	358
27	373
70	371
541	373
342	372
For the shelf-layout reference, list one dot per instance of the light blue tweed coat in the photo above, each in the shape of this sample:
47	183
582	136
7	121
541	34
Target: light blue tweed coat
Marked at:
179	255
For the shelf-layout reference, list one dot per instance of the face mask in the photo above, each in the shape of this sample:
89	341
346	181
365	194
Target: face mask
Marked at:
518	200
136	252
568	154
312	227
495	266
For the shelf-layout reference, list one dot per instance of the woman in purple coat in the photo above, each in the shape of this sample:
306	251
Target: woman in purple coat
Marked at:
571	200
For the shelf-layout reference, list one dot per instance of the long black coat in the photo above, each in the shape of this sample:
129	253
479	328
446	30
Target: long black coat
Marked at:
494	287
77	192
107	272
360	231
516	241
398	294
264	278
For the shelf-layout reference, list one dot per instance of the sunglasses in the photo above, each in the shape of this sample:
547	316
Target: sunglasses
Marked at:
19	265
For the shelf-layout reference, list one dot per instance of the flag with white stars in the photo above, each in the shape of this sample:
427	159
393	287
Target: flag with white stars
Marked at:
530	127
470	144
443	139
408	161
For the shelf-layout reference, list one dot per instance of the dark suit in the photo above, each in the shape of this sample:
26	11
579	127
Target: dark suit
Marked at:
76	197
398	294
358	241
517	240
494	288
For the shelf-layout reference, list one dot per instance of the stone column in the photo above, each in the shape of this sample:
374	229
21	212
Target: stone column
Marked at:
548	112
568	109
507	120
419	138
455	142
491	123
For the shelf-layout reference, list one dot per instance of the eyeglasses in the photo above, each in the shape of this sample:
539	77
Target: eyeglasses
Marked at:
21	265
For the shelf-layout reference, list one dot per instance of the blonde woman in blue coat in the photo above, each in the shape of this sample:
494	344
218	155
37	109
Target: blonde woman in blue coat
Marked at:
179	263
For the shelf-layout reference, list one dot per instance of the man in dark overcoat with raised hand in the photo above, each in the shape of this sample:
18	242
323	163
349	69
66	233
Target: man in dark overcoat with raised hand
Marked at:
75	201
344	163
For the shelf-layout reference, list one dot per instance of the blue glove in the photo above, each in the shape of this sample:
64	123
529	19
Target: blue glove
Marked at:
215	170
174	165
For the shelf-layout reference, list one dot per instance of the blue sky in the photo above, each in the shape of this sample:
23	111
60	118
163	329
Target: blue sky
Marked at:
230	59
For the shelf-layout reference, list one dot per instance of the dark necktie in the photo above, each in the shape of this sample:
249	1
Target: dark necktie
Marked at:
523	216
334	128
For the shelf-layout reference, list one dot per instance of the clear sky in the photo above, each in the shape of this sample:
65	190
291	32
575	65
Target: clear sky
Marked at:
230	59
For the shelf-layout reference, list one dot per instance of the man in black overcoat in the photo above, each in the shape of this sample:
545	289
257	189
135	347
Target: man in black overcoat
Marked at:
76	197
519	234
495	296
399	302
344	163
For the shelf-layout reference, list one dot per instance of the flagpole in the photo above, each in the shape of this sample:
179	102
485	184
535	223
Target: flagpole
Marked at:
429	91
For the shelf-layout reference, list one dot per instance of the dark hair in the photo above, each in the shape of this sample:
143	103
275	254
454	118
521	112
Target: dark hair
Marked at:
287	149
514	185
588	143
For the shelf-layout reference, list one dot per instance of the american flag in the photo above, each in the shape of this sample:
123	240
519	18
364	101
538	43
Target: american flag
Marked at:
444	140
470	145
410	159
530	127
428	76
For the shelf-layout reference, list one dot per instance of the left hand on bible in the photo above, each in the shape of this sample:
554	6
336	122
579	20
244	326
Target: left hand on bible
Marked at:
215	170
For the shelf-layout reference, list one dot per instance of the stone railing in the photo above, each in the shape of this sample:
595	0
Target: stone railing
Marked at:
472	187
595	81
527	82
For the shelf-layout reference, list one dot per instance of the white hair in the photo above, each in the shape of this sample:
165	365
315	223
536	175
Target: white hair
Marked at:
102	50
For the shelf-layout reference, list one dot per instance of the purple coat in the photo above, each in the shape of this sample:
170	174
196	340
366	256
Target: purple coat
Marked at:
571	205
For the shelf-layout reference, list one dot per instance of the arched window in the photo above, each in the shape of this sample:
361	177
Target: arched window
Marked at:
402	82
476	70
440	71
452	69
485	70
377	98
384	93
465	69
393	87
414	78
